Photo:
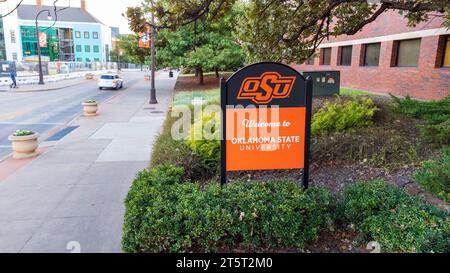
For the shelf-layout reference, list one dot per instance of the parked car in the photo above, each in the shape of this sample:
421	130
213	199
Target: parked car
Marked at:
110	81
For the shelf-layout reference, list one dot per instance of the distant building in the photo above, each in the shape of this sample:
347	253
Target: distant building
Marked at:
387	56
77	36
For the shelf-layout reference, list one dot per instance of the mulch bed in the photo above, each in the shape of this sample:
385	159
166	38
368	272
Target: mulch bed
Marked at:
191	83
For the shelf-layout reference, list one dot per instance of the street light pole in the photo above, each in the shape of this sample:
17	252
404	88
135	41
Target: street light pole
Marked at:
152	45
41	74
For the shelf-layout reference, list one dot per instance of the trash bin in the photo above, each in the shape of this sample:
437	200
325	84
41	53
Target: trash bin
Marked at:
170	74
325	83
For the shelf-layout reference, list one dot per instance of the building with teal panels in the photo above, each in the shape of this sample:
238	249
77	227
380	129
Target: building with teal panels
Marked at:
76	35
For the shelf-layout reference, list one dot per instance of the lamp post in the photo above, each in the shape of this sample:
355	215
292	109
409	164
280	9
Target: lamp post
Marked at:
49	16
152	53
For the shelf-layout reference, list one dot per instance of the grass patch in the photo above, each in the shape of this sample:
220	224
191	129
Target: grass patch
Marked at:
354	92
186	97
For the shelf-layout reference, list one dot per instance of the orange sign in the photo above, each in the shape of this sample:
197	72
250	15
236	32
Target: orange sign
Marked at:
267	120
42	39
144	40
265	143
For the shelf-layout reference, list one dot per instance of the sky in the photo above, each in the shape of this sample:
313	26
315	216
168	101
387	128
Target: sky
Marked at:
107	11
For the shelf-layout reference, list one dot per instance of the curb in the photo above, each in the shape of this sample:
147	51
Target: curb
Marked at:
40	90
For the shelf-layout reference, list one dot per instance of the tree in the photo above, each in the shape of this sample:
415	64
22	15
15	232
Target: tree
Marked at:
131	50
291	30
201	46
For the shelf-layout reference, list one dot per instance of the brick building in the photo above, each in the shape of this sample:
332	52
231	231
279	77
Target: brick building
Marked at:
387	56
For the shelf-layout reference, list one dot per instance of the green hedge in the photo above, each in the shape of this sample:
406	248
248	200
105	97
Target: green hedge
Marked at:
400	223
165	215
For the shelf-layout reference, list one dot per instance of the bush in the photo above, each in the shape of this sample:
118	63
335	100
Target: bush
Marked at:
438	133
208	150
408	229
435	176
341	116
435	113
400	223
165	215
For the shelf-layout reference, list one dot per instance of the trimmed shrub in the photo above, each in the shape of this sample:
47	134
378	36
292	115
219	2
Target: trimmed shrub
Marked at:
435	176
399	222
341	116
169	216
409	229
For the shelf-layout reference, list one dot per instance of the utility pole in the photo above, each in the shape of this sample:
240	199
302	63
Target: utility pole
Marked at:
152	49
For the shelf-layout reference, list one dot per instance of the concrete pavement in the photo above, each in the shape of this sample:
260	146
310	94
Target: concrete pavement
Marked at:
49	112
71	196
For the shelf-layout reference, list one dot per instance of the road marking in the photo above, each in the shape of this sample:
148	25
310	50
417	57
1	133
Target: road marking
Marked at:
14	114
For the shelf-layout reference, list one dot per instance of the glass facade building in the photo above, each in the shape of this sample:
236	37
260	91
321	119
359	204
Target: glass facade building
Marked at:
2	42
29	43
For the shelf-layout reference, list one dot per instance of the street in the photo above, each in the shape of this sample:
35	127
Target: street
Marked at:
70	197
49	112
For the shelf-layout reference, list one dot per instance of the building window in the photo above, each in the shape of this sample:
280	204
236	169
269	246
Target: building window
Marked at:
372	54
346	55
14	56
87	48
77	34
95	35
96	60
88	60
79	60
96	49
78	48
86	35
446	53
13	37
326	56
407	52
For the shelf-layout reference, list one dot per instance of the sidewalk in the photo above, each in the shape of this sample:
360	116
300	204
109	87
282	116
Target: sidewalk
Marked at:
73	193
46	87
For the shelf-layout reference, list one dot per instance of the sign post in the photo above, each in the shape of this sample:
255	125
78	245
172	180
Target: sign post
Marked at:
266	121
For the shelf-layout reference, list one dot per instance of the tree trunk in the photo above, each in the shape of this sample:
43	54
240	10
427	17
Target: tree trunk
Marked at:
200	76
217	72
196	72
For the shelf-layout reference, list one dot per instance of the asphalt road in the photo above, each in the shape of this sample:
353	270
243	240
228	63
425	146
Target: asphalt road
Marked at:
48	112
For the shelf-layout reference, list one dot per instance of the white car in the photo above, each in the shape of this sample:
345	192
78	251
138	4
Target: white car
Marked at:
110	81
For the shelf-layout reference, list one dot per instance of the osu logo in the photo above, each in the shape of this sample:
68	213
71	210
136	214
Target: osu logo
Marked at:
263	89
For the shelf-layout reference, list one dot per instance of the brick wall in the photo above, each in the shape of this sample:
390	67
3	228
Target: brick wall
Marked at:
426	81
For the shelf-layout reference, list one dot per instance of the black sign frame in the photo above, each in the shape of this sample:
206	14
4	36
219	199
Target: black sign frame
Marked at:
228	90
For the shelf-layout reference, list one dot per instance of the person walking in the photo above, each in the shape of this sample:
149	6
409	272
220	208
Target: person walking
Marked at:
12	74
